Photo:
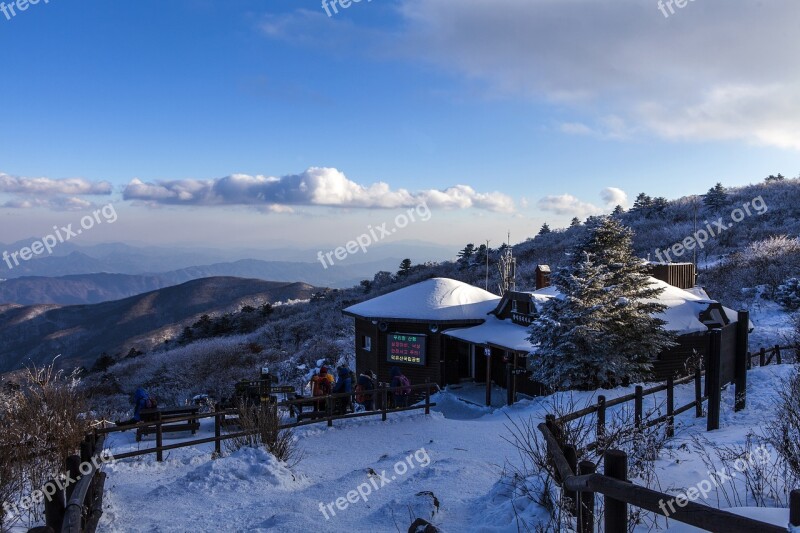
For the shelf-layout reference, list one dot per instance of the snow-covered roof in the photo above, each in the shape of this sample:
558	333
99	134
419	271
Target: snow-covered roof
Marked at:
434	300
683	306
495	331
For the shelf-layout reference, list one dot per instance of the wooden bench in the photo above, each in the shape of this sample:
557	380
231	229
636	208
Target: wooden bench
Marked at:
164	415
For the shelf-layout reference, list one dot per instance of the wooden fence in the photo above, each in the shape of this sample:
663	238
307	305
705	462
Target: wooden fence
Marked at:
581	483
322	416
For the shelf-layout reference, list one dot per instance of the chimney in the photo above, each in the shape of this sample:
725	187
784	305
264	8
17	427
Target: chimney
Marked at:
542	277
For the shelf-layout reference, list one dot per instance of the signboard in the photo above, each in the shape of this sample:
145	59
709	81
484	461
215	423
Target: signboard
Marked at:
404	348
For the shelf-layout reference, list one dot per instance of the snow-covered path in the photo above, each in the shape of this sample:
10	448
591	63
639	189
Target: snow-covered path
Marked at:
457	454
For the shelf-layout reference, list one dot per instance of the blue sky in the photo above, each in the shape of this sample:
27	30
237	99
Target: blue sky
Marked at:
222	122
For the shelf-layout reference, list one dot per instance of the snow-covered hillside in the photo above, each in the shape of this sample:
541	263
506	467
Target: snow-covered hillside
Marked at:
457	455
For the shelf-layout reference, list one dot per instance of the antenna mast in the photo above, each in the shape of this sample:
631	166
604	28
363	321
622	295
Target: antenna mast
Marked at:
487	265
508	269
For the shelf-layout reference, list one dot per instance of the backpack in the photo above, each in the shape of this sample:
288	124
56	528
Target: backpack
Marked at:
360	396
406	390
150	403
323	387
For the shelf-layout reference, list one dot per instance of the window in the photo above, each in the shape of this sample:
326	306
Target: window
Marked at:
366	343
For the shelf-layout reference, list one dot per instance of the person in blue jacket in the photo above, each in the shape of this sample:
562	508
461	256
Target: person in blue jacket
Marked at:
141	400
343	384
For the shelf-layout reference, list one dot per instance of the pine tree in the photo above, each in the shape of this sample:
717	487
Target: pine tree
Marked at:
545	229
660	205
618	211
465	255
642	204
602	330
405	268
771	178
575	222
716	197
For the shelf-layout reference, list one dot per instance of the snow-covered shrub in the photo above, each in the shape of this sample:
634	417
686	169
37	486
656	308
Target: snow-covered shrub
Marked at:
262	427
43	422
535	479
783	431
788	294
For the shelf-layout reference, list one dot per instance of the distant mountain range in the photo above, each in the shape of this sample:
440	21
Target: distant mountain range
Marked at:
80	333
105	272
102	287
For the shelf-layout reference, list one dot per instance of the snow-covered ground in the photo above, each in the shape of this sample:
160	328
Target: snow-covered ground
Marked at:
457	454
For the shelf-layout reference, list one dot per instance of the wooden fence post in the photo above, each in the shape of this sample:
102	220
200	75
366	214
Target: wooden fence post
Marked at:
616	513
638	406
571	456
670	407
698	393
778	354
329	410
794	508
54	506
427	397
586	508
762	357
86	451
742	327
713	387
217	432
74	471
601	419
159	441
385	403
749	360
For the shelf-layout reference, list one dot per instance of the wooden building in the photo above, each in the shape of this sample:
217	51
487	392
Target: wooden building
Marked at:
404	328
445	331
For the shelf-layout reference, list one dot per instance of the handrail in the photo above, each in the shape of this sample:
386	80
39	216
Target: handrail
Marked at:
73	512
691	513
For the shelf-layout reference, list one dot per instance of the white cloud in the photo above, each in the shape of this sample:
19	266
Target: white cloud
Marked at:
612	196
58	203
314	187
715	70
566	204
47	186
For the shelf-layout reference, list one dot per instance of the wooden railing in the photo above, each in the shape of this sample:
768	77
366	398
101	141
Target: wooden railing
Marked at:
327	416
581	483
76	507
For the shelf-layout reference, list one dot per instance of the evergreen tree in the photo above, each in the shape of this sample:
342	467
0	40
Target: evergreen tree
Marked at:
618	211
187	336
642	204
480	254
405	268
771	178
465	255
366	285
602	330
716	197
575	222
660	205
545	229
103	363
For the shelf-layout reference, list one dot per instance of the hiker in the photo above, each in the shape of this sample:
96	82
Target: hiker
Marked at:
343	384
401	386
321	385
141	400
364	388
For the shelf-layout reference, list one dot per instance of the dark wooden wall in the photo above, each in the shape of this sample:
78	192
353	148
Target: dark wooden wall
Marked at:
375	360
680	275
